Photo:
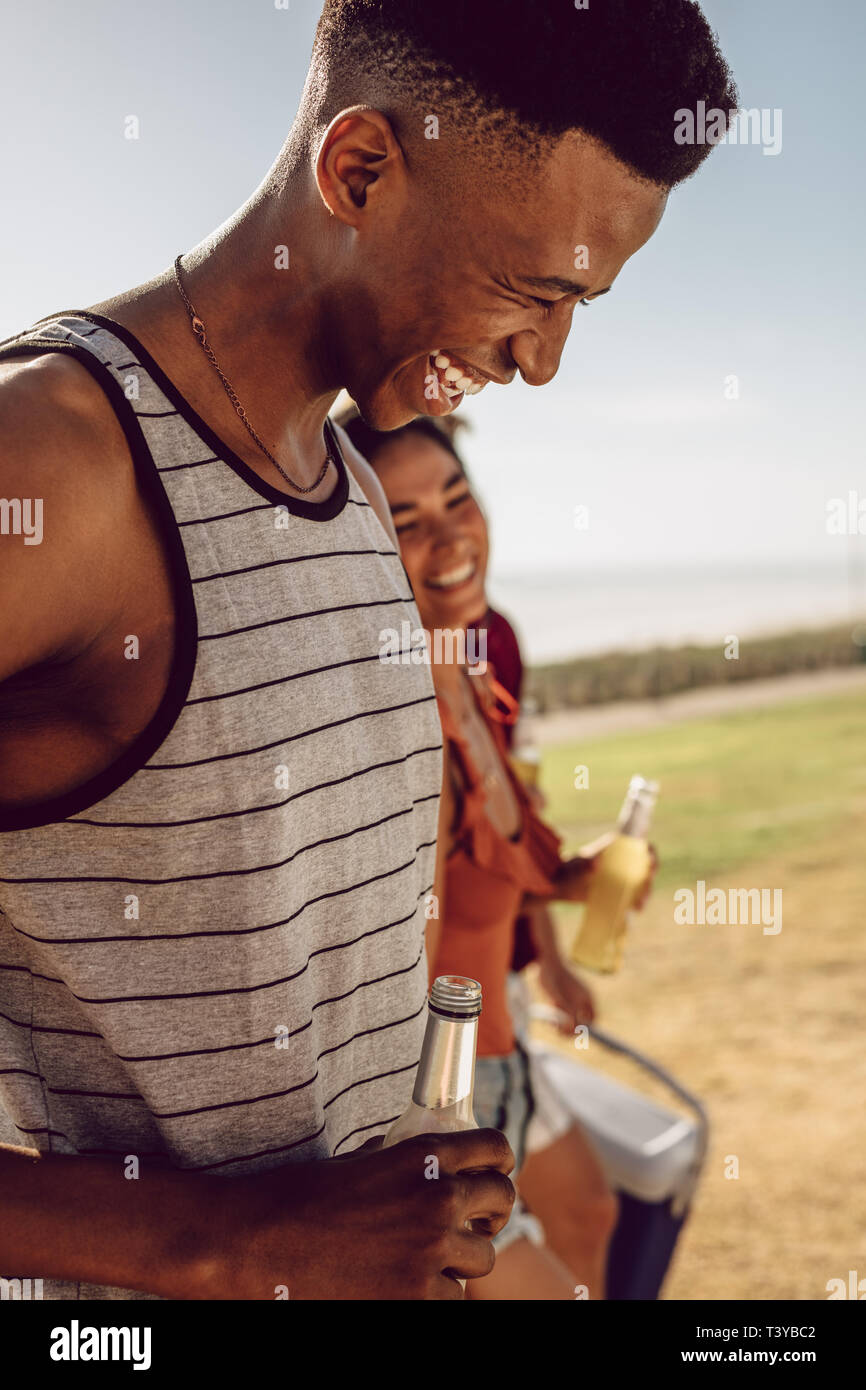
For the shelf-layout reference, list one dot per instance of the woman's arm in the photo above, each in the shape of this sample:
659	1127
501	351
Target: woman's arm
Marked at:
561	985
570	882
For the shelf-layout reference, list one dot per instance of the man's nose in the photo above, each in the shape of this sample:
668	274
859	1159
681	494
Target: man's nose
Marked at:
538	351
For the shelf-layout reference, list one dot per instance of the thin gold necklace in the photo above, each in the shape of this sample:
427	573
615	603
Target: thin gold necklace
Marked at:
198	329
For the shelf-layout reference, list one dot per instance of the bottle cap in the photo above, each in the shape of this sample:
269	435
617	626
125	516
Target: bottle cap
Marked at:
640	785
456	996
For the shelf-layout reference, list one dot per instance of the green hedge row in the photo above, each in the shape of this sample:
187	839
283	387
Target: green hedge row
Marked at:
598	680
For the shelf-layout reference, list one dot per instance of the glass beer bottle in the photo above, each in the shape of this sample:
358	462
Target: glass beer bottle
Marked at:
445	1080
622	867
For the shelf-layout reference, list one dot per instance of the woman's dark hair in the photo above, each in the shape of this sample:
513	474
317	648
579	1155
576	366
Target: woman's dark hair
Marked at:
370	442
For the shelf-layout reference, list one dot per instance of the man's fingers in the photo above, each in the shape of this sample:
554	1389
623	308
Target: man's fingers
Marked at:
471	1149
473	1256
487	1198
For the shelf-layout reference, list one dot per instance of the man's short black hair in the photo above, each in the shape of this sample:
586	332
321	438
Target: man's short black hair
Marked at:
618	70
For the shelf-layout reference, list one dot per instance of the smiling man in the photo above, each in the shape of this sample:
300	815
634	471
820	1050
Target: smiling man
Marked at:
218	806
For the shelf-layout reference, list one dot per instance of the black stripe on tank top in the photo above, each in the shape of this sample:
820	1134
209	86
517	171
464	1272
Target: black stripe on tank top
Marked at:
225	516
248	810
310	613
151	1058
198	994
269	1042
158	1154
43	1028
368	1081
246	1100
362	1129
293	560
198	463
238	873
244	511
291	1090
207	1051
248	1158
302	675
311	511
289	738
269	1095
227	931
262	1042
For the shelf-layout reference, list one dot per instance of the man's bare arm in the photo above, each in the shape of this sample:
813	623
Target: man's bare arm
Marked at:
64	464
82	1219
358	1227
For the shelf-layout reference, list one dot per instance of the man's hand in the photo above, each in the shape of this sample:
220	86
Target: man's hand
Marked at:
372	1225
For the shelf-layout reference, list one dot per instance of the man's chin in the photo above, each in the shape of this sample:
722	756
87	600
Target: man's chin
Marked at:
402	399
384	410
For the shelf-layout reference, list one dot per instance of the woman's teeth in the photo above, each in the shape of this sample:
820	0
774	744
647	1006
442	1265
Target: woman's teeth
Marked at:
453	577
453	379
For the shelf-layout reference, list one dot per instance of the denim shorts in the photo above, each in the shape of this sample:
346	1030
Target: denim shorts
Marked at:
503	1100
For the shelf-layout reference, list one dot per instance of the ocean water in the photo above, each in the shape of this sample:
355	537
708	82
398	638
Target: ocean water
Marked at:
565	614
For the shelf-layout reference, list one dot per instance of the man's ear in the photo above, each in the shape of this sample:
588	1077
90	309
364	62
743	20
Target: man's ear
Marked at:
358	151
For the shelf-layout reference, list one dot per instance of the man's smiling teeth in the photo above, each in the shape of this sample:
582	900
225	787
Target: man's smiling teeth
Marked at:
452	578
454	380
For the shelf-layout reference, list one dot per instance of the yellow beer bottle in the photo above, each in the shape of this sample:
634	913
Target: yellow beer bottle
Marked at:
622	867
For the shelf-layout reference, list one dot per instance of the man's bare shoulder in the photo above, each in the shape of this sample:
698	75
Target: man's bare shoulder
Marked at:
367	480
54	397
66	485
59	433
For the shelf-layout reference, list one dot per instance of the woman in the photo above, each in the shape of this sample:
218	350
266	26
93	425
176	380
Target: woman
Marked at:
500	860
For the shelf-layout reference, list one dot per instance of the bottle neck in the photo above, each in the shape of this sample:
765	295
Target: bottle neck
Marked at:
447	1067
637	809
635	821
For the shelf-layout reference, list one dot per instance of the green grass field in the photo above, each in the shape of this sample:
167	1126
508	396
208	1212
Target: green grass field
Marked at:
733	789
766	1029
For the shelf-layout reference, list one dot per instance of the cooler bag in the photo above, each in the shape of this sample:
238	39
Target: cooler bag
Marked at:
652	1158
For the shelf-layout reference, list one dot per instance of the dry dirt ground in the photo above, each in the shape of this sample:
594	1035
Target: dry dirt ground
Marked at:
769	1032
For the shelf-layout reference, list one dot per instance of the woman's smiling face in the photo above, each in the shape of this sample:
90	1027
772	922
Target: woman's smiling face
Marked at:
441	529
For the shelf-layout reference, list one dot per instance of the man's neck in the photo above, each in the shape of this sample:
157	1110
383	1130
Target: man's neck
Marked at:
267	323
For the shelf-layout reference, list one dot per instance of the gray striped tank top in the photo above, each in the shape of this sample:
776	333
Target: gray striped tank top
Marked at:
212	954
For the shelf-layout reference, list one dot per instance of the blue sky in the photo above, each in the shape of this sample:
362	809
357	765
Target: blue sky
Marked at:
756	270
